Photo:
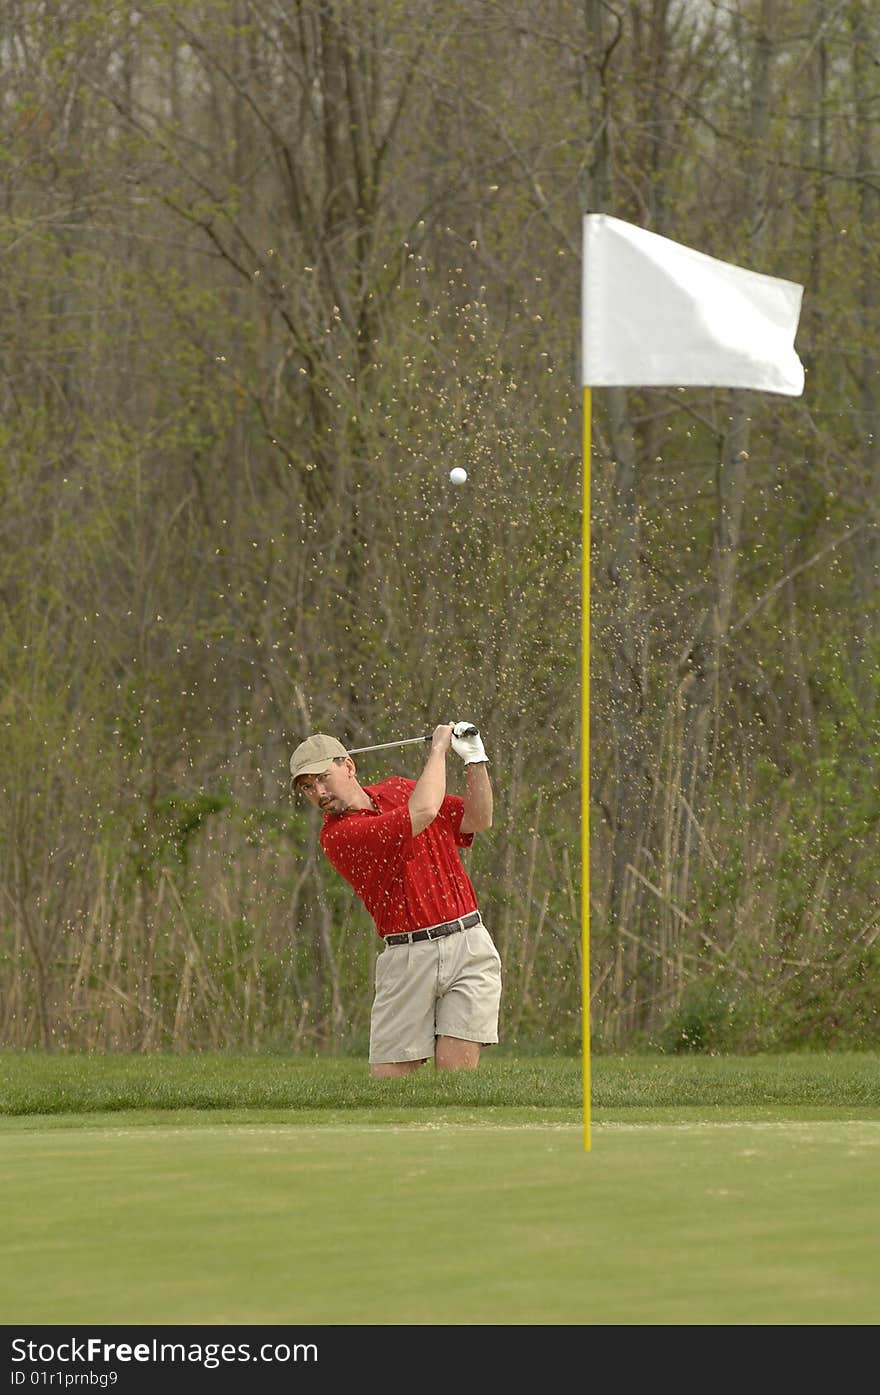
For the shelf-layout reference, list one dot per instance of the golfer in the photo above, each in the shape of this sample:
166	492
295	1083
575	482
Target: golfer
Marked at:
438	978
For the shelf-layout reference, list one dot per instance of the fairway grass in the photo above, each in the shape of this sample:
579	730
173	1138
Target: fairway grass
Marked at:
713	1192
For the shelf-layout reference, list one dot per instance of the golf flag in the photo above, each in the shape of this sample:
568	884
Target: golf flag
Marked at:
657	313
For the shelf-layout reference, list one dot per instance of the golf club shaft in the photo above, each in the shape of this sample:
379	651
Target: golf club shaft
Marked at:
386	745
410	741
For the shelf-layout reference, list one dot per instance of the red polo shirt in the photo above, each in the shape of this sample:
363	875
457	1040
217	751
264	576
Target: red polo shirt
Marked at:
404	882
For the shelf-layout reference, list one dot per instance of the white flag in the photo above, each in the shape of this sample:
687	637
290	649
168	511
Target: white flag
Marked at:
657	313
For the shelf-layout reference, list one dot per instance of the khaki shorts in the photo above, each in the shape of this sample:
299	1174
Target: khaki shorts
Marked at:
436	988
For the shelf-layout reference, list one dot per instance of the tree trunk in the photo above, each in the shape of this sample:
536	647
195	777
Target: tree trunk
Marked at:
705	674
866	544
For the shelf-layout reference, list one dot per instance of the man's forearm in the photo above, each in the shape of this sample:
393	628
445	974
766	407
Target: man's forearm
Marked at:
478	799
430	788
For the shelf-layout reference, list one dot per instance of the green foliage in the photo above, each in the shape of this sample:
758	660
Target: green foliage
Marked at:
835	1009
713	1018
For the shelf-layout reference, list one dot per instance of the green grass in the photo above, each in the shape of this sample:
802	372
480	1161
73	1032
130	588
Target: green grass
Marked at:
36	1083
220	1190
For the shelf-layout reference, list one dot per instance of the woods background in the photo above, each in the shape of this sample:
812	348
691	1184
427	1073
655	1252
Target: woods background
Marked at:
268	270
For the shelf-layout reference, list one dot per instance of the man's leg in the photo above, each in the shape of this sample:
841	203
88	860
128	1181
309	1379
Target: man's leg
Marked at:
386	1070
402	1019
466	1016
451	1053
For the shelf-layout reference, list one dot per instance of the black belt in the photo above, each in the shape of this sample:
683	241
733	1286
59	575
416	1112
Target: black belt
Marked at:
435	932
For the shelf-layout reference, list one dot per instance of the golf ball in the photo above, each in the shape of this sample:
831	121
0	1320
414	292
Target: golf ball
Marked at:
458	475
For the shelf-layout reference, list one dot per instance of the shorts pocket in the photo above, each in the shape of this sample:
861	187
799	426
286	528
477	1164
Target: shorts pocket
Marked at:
481	945
391	963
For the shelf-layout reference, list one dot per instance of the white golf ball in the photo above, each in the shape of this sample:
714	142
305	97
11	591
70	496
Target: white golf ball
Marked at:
458	475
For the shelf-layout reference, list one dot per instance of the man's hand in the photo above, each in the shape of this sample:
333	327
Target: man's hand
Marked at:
441	737
467	743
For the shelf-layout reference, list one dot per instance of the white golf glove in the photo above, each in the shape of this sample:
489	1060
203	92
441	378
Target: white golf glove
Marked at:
467	743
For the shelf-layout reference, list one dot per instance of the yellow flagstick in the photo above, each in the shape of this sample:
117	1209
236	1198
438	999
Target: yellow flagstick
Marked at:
585	765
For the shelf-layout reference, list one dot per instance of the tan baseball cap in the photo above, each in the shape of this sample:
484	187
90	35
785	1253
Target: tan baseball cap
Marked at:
313	755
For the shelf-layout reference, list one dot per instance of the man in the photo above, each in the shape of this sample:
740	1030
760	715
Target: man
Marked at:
438	978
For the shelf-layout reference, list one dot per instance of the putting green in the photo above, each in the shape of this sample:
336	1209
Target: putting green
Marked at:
440	1222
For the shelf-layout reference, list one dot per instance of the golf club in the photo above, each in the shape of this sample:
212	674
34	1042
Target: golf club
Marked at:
410	741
